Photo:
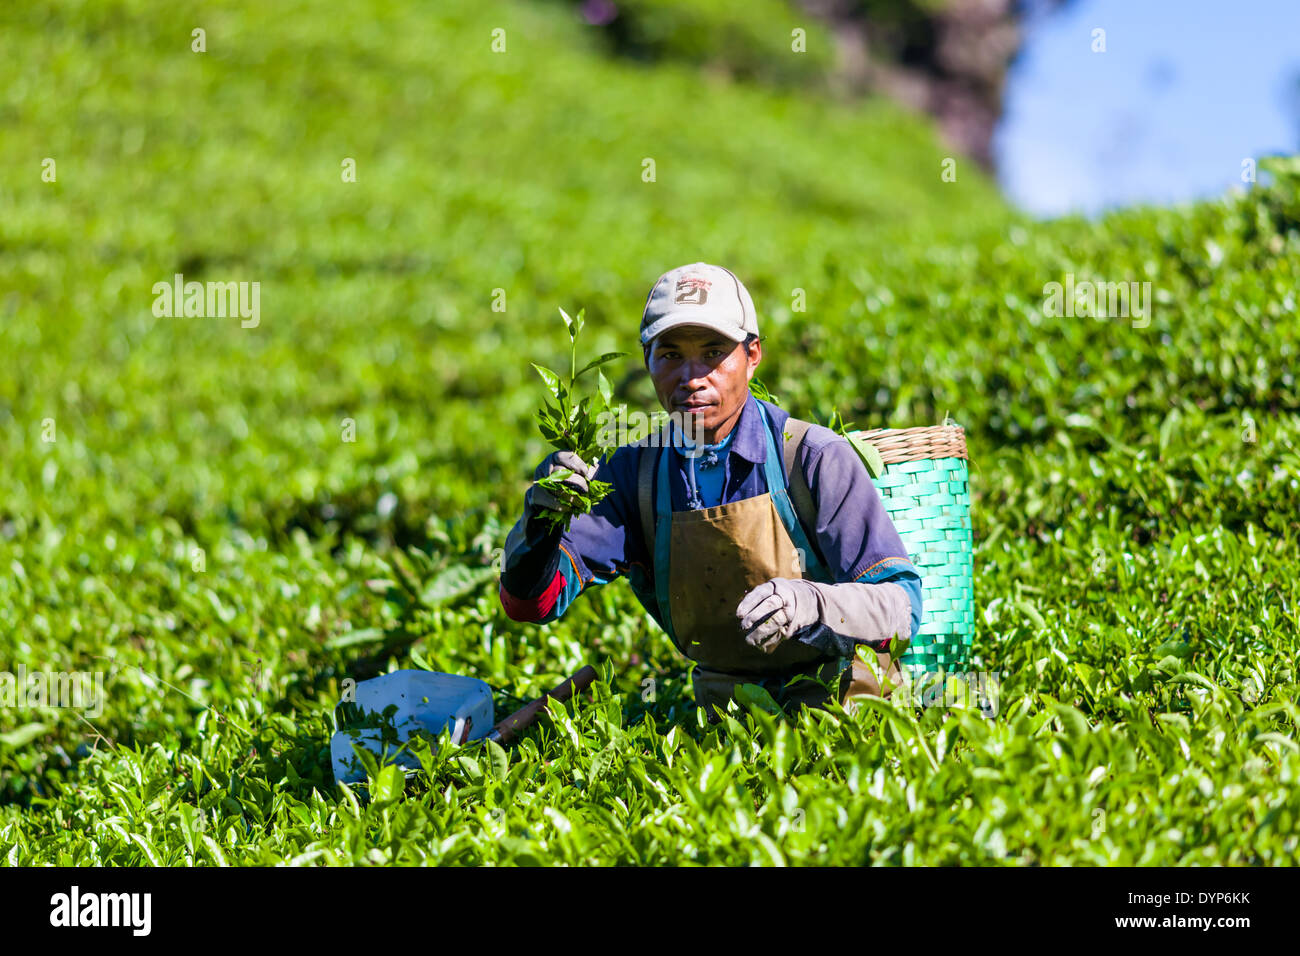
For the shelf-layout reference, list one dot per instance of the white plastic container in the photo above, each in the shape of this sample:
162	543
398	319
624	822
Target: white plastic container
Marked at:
425	700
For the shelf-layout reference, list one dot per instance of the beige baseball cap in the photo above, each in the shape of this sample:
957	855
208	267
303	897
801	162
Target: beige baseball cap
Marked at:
699	294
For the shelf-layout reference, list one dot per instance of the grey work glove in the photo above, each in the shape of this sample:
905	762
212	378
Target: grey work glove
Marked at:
773	611
777	609
537	498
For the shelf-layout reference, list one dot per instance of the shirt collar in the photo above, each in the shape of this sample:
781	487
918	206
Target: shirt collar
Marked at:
749	442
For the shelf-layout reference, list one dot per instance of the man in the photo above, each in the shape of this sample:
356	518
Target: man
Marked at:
701	521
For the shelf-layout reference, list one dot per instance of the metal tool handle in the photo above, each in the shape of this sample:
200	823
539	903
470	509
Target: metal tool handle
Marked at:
507	730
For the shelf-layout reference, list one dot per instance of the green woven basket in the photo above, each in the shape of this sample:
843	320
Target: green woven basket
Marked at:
927	494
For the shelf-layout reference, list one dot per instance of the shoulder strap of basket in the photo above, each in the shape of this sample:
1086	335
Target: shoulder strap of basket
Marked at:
644	480
800	494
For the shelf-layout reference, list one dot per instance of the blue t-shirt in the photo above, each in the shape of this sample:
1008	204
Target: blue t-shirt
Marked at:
706	474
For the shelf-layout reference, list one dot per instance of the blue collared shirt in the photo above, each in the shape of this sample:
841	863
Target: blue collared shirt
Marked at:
707	474
854	534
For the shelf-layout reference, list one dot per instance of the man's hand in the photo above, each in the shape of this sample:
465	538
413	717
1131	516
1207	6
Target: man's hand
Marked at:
537	497
776	609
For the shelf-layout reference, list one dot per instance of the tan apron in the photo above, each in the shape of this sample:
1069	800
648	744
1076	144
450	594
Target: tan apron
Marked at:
716	556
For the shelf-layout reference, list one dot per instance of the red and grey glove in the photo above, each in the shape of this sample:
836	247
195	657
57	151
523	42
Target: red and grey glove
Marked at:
537	497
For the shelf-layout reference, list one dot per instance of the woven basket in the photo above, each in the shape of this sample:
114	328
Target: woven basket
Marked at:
927	494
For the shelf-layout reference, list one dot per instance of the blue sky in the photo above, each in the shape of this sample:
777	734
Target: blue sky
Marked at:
1185	90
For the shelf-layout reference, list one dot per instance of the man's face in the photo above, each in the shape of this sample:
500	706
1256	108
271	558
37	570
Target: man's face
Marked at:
702	378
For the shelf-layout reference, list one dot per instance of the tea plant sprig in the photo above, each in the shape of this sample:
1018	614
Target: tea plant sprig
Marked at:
868	452
574	426
759	390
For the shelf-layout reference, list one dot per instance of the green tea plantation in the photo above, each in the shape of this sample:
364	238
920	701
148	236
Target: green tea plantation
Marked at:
227	519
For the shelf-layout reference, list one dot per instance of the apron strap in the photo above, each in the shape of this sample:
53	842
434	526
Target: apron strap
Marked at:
776	487
644	483
661	535
655	507
800	494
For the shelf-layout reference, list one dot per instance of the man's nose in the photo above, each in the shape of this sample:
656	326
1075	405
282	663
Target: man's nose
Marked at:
695	371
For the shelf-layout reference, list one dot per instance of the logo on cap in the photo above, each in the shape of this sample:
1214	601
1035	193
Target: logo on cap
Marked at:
692	290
